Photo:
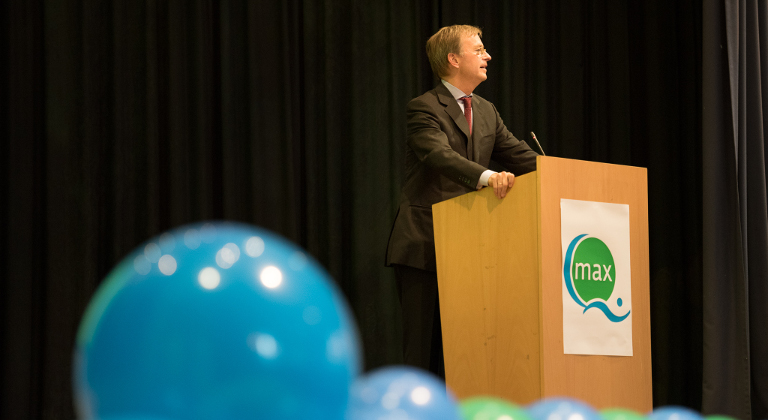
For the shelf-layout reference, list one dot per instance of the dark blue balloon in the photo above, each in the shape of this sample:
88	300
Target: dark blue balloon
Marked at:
673	412
216	320
401	393
562	409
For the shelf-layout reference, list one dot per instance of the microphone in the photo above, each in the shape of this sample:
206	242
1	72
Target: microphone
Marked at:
539	144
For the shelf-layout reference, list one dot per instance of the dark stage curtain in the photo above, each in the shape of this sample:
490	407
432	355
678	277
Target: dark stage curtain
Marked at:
124	119
735	234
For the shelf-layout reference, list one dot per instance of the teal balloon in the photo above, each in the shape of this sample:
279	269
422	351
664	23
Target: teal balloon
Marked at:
216	321
563	409
134	418
674	412
621	414
490	408
401	393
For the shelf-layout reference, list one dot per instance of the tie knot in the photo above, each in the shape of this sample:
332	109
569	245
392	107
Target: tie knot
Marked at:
467	102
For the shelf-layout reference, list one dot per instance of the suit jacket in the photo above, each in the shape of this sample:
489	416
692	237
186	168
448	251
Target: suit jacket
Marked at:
443	161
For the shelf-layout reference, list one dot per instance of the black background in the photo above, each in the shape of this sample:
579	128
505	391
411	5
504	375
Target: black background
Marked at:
124	119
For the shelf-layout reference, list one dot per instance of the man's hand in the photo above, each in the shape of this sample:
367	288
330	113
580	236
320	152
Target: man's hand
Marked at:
501	182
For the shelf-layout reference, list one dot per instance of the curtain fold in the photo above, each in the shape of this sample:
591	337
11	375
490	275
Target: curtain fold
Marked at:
735	380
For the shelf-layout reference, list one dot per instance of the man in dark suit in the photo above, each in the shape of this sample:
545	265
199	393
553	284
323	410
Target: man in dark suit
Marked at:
452	137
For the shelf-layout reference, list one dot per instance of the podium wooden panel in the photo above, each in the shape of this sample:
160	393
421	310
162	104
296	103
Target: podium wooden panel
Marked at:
500	284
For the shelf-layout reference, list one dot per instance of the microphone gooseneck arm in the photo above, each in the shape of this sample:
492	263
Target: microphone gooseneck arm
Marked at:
539	144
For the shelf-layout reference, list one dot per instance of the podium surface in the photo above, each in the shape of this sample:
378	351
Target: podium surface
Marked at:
500	282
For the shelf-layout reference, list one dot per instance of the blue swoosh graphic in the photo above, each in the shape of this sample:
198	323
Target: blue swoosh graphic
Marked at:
603	307
569	285
567	270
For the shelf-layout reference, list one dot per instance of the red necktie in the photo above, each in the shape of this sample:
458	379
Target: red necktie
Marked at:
468	111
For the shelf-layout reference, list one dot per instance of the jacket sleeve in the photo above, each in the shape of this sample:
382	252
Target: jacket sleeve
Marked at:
513	154
430	144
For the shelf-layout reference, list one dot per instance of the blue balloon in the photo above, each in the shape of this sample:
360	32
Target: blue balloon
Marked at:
562	409
401	393
673	412
216	320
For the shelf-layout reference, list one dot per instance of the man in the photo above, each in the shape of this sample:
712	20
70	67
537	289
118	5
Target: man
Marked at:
452	137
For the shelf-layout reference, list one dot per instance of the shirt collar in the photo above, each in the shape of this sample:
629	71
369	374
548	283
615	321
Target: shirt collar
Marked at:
456	92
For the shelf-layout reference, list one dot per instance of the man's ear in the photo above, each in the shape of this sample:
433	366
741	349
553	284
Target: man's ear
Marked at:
453	60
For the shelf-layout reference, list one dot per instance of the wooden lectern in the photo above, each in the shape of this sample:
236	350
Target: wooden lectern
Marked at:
499	269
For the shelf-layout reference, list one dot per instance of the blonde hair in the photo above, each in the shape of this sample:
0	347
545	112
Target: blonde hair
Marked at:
446	41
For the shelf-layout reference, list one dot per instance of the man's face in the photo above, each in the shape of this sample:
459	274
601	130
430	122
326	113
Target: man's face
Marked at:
473	61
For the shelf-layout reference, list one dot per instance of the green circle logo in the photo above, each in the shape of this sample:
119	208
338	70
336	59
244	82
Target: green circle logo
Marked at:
592	270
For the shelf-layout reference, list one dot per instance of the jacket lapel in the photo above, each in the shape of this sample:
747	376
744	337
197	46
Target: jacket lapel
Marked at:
478	126
453	109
